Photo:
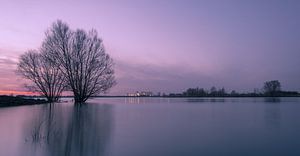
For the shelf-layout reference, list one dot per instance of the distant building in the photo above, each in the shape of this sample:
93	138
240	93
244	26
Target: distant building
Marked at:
142	93
131	94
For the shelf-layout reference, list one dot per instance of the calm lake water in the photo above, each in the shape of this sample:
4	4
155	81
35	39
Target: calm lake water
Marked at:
154	127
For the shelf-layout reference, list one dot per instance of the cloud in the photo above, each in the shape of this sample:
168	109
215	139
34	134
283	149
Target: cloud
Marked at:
7	61
9	80
133	77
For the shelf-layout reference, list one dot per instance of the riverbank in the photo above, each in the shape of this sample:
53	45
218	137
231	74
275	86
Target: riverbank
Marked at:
6	101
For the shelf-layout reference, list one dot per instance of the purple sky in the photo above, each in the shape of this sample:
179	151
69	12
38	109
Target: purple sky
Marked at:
168	46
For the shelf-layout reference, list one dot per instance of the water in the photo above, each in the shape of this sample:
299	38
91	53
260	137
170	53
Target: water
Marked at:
154	127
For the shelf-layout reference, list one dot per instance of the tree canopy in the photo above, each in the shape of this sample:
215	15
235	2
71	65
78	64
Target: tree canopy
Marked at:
75	58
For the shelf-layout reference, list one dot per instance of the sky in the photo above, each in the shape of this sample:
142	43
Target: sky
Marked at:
167	45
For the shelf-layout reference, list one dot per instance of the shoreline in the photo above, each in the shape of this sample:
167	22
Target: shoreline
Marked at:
8	101
186	96
11	101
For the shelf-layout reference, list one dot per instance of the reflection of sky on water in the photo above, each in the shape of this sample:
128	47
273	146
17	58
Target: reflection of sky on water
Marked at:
153	126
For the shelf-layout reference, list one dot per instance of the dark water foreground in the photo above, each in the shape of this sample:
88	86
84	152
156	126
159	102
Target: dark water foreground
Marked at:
154	127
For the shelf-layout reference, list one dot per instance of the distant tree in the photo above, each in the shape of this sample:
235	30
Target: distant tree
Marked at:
233	93
45	77
222	92
202	92
81	56
213	91
195	92
272	88
256	91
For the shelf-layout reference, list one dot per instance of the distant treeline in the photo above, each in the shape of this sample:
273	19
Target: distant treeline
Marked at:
270	89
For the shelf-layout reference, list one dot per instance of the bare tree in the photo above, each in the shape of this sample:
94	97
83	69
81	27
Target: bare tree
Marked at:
46	78
81	56
272	88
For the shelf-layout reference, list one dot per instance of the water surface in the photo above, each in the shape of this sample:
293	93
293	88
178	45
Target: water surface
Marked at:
154	127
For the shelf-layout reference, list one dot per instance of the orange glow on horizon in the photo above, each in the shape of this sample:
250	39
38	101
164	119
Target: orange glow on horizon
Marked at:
11	92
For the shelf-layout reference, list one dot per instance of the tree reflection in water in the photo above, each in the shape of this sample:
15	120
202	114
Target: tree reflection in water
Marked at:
70	130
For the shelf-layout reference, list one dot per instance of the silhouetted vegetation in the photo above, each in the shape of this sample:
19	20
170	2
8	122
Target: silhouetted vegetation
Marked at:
81	56
17	101
270	89
46	77
68	60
